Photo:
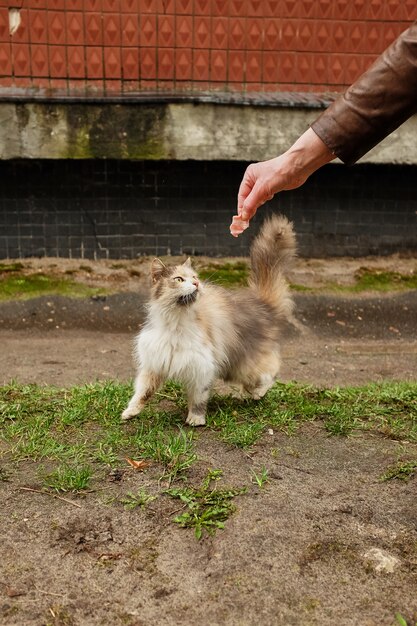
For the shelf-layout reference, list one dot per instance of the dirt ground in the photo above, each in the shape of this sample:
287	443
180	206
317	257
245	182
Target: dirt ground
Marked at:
325	542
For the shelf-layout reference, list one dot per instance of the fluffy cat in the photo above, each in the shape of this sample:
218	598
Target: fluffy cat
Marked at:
196	332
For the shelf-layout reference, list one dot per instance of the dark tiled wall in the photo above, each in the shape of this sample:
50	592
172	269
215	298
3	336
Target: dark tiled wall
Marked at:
121	209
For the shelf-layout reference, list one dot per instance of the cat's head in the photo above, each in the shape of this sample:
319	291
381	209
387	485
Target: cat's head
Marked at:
176	285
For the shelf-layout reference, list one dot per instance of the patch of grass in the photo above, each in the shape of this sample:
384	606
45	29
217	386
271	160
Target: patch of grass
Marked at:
207	508
81	425
234	274
68	478
403	470
377	280
20	287
300	288
174	451
235	429
389	409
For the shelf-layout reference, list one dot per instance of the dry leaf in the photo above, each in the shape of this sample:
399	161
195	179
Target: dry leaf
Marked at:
139	465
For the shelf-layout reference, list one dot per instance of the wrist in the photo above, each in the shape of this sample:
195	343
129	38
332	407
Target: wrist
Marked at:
309	153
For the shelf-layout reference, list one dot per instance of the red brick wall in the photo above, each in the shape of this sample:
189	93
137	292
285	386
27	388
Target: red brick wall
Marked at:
225	45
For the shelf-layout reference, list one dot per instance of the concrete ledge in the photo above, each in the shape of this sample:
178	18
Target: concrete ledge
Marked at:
180	131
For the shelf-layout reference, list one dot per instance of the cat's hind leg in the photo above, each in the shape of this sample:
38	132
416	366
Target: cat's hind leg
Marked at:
259	382
263	385
146	384
198	396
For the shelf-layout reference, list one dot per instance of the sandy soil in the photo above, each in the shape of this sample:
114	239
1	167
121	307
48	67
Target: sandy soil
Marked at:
324	543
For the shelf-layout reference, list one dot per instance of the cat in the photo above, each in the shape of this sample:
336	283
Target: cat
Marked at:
196	332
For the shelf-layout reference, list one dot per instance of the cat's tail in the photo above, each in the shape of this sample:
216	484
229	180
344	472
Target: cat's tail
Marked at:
272	253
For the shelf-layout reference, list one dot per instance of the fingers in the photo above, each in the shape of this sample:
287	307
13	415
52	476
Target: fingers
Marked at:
253	201
250	197
254	191
245	188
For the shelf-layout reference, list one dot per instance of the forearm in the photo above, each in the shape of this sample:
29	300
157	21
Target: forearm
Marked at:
376	104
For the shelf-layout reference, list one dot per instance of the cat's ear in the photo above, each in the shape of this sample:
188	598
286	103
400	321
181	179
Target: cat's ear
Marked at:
158	270
188	262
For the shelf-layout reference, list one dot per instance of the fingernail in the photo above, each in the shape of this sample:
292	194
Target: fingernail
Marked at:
244	215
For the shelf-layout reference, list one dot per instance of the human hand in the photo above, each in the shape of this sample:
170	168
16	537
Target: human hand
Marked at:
263	180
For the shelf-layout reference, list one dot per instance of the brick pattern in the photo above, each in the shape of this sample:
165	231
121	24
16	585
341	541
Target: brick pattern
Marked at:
242	45
122	209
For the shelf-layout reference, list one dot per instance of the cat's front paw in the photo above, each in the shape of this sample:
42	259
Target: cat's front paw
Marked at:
195	420
128	414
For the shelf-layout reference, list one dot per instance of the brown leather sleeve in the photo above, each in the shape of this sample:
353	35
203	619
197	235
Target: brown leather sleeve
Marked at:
376	104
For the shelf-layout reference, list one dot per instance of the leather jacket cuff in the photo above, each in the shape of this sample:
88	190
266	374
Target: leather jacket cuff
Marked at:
376	104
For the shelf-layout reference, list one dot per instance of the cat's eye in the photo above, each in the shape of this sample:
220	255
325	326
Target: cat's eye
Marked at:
179	279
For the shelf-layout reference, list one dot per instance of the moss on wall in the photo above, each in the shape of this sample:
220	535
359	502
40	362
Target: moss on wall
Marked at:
116	132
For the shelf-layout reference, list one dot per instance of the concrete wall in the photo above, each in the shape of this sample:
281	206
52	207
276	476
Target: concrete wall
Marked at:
182	131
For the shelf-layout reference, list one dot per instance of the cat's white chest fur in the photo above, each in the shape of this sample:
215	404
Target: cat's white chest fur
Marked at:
180	353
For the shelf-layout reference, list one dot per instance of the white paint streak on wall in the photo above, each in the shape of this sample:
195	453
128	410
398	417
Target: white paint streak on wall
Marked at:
14	20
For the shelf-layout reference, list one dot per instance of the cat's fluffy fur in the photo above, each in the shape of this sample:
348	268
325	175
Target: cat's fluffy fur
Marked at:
197	332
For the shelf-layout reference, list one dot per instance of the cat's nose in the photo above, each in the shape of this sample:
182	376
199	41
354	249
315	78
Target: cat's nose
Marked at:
195	283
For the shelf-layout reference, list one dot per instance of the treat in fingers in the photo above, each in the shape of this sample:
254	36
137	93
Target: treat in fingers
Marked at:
238	225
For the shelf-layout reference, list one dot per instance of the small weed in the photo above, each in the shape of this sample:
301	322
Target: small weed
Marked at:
207	509
68	478
60	617
401	621
260	479
403	470
214	474
133	500
4	475
105	454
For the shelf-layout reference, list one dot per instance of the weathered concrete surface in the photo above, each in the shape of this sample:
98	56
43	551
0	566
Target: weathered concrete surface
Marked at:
169	131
